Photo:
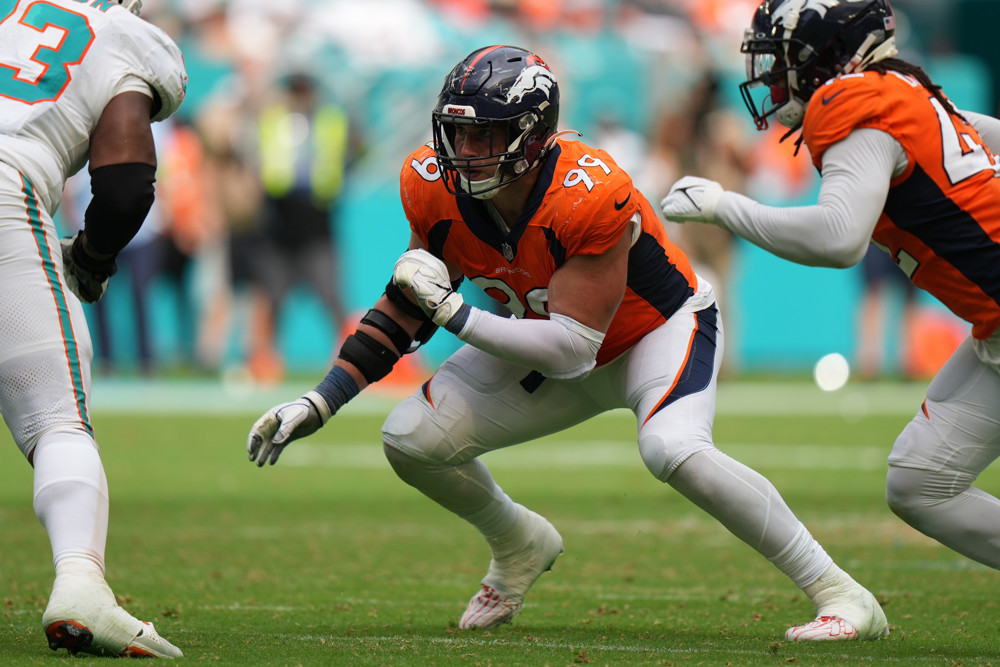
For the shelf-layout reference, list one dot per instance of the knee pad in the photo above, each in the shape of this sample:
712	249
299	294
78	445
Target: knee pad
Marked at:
405	466
911	492
663	452
410	429
443	433
901	491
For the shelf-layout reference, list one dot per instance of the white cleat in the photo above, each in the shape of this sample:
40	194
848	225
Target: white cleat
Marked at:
512	573
854	615
488	609
82	615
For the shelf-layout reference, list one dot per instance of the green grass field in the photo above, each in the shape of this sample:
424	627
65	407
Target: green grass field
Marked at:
328	559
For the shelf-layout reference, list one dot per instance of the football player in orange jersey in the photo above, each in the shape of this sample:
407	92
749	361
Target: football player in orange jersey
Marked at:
904	169
608	314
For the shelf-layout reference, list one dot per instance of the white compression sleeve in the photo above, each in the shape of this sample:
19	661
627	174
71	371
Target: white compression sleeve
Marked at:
559	347
988	128
834	232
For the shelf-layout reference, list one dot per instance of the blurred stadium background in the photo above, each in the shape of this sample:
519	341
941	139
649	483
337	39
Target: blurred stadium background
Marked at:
652	81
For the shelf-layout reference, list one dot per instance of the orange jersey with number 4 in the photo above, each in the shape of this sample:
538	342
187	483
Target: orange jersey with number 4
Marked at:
582	204
941	221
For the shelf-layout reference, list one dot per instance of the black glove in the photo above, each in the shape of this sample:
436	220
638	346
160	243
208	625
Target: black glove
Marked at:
86	276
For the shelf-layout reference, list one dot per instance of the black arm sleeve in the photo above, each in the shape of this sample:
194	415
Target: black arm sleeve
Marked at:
123	195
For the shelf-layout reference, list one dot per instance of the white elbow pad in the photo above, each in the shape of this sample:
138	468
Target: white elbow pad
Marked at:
580	353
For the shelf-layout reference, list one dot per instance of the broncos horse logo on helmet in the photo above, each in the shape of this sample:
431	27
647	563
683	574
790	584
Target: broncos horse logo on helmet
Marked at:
508	93
534	77
794	46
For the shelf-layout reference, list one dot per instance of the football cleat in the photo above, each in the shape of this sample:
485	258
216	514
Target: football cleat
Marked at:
824	628
488	609
513	570
82	615
848	615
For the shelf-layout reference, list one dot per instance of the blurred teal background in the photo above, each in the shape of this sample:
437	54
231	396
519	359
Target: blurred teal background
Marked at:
632	64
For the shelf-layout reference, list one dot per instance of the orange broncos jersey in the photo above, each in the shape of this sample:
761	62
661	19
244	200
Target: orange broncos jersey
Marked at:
582	204
941	221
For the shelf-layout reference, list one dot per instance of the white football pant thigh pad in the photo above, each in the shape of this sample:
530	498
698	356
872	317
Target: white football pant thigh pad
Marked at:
71	495
477	404
683	426
938	456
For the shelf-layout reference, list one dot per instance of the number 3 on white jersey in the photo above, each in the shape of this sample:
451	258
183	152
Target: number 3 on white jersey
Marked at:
44	76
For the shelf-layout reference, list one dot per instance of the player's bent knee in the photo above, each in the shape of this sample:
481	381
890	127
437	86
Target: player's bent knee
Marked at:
664	454
405	466
915	495
902	493
412	430
57	433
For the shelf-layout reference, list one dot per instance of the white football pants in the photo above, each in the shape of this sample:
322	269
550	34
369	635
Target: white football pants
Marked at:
45	356
477	403
952	439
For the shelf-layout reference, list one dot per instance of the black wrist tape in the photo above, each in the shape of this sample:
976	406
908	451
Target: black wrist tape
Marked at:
373	359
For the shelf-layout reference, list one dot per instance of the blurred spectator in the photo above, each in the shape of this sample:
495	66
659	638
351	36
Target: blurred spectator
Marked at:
304	146
656	81
233	187
883	283
194	253
706	138
140	262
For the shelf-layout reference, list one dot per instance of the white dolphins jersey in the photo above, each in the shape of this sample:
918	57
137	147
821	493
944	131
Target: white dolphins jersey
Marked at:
61	62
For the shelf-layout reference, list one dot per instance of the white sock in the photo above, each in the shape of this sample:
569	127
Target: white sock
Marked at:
71	500
497	519
803	560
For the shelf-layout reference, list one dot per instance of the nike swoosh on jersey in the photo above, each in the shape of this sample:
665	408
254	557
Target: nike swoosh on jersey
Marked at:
827	100
618	206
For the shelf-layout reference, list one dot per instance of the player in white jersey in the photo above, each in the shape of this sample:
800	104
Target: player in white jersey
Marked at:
79	80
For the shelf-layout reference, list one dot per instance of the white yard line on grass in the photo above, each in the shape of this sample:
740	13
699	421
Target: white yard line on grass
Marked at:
852	657
210	396
321	451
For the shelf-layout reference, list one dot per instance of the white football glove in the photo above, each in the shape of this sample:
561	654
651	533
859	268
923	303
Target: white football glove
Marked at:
692	199
86	277
427	277
284	423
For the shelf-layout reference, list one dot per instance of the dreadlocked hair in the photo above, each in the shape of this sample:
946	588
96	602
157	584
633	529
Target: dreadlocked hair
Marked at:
903	67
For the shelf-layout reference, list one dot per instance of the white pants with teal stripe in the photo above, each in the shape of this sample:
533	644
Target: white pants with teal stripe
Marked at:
45	347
